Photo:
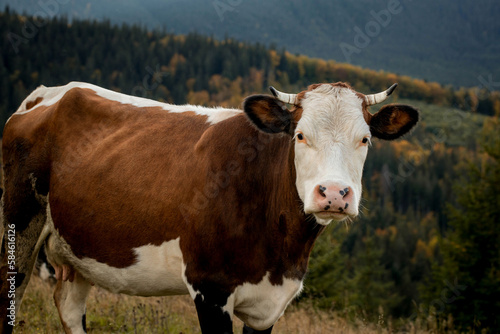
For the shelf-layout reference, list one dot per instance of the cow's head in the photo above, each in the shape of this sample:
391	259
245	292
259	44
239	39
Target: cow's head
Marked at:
331	128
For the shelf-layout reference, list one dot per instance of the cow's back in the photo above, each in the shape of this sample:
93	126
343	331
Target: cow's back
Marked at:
114	171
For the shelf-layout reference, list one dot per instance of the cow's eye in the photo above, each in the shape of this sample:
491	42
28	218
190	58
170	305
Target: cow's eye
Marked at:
366	140
300	137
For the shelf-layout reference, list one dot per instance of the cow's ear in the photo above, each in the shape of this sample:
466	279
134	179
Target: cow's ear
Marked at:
393	120
268	114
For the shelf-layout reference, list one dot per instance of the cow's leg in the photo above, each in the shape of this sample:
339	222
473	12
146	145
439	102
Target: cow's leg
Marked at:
215	313
248	330
23	234
70	298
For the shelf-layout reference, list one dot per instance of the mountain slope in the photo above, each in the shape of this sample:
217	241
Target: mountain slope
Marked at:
451	42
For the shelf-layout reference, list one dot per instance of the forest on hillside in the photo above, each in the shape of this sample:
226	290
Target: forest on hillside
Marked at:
448	41
393	260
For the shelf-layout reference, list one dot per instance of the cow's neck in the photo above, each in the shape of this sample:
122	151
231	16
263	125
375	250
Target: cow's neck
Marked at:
272	173
300	230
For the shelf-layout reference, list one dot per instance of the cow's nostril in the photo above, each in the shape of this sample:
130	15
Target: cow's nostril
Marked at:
322	190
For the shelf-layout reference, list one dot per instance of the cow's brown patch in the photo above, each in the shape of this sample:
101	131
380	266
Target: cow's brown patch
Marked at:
33	103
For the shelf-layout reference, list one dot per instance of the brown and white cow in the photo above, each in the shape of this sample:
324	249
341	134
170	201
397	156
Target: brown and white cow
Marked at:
149	199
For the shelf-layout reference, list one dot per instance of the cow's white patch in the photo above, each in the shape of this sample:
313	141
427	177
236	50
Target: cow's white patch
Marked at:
52	95
192	292
71	297
156	272
258	305
261	305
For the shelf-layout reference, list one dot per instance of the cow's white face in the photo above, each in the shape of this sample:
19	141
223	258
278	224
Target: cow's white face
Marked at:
331	144
331	129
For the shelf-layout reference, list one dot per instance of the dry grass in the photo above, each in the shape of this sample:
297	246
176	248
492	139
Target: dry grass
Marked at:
111	313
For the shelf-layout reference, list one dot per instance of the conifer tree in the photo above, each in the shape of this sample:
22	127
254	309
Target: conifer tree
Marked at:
371	290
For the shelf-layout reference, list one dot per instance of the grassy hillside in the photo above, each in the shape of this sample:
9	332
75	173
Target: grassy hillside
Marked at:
111	313
448	41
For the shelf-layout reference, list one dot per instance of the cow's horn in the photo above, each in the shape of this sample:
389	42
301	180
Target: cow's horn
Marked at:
379	97
284	97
